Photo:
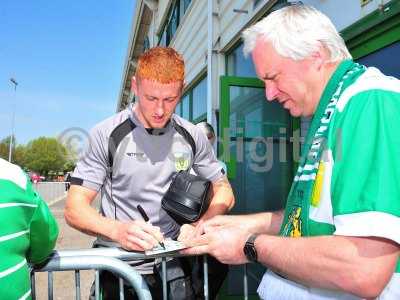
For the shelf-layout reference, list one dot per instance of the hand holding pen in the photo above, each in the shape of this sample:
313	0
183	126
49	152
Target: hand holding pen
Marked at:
146	219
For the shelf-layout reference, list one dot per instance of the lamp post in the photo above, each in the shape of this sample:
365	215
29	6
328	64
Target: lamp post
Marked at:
13	81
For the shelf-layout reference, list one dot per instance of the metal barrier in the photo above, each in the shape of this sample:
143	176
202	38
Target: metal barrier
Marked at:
51	191
110	259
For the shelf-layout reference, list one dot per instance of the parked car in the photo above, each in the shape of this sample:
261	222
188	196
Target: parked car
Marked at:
35	177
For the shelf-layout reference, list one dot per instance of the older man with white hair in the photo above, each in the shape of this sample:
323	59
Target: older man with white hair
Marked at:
339	235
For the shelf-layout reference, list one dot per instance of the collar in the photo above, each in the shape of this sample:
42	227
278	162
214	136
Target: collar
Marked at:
151	131
331	86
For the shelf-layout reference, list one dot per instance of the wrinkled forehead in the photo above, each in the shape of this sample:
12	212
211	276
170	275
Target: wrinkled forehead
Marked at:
262	56
266	59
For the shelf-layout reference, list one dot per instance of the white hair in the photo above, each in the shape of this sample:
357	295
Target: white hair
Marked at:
296	32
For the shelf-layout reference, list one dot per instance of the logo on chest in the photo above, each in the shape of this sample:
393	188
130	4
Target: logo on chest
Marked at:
182	161
135	154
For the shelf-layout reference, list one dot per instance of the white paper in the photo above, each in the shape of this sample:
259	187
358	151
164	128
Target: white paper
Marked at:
170	246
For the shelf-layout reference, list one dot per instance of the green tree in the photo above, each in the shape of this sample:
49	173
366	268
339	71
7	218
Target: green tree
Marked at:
72	157
19	156
5	147
44	155
4	150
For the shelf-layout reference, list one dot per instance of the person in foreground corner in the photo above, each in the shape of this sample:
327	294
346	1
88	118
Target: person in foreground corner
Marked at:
28	231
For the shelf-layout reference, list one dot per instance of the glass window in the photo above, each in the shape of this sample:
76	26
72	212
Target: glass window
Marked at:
255	3
146	43
174	18
200	99
185	107
186	4
163	39
238	65
173	23
178	109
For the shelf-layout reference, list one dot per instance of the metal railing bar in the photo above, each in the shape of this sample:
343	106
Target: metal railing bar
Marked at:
97	285
112	252
121	288
33	285
68	263
77	285
205	274
50	285
164	277
245	283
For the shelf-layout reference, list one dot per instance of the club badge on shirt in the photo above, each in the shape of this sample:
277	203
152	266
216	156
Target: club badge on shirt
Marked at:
182	161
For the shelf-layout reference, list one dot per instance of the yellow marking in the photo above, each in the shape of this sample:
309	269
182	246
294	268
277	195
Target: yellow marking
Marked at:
318	185
296	223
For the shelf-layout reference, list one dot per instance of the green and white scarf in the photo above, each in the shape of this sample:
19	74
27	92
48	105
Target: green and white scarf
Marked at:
295	223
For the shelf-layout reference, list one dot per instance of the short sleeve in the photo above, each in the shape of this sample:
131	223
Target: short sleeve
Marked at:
91	169
366	174
206	163
43	232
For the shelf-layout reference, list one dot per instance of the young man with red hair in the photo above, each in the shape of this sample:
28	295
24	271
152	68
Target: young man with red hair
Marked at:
149	153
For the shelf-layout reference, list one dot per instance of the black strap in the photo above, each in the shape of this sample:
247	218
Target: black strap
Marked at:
123	129
76	181
186	135
117	135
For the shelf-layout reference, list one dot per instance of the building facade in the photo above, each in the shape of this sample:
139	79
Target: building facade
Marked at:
258	140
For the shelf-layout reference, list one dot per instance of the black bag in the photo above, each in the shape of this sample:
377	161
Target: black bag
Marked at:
187	198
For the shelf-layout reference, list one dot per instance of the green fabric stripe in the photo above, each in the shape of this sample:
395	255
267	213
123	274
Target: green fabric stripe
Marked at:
10	192
11	261
12	287
15	219
42	224
377	167
14	250
15	187
317	228
19	178
398	266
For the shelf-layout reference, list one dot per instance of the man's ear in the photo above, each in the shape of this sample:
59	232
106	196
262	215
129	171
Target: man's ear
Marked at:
320	57
134	85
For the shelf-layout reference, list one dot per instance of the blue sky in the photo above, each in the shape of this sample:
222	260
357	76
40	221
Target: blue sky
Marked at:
68	59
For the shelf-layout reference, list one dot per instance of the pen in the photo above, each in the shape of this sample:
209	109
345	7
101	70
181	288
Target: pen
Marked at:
146	219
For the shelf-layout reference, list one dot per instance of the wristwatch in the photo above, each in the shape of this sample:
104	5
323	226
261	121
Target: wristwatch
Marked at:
249	248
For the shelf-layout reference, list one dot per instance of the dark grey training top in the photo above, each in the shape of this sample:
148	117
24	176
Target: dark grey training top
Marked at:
144	165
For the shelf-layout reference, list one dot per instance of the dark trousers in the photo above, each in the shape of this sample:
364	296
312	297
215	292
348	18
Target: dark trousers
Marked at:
109	287
186	287
216	275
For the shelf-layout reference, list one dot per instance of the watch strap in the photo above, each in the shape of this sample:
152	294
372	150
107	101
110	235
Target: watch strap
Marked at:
250	249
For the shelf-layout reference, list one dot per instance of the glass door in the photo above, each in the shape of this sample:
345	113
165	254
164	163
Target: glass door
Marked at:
256	146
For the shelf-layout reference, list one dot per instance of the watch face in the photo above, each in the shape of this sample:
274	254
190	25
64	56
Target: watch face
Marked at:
250	252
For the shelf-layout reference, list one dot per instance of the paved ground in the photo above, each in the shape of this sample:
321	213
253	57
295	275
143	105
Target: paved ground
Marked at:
64	283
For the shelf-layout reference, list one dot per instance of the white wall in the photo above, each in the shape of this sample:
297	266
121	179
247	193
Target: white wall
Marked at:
163	5
231	22
343	13
191	39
